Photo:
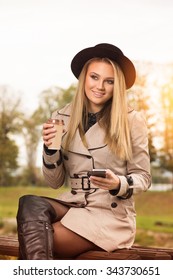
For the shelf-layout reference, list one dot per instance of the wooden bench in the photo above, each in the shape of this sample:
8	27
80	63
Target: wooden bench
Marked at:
9	247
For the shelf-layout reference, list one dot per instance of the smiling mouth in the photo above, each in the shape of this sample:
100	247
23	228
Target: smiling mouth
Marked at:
98	94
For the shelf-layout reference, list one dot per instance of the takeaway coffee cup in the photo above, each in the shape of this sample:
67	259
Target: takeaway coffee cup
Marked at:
56	141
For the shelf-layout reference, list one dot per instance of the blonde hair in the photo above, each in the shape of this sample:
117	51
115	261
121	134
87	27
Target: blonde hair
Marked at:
114	118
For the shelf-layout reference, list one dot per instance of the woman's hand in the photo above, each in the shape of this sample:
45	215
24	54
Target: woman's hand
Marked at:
111	182
48	133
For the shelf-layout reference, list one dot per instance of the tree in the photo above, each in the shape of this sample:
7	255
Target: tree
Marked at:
50	100
167	135
10	120
139	100
31	132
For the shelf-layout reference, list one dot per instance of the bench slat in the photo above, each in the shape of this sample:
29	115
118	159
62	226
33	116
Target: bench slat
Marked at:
9	246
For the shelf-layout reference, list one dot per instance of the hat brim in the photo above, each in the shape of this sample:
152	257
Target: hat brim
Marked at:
125	64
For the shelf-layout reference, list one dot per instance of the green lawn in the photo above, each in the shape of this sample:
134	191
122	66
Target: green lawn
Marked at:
154	211
9	197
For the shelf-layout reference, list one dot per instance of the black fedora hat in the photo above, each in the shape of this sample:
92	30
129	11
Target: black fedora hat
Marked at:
105	50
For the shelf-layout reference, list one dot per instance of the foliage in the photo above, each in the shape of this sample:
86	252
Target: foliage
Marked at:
8	162
139	100
10	112
166	151
31	132
10	120
14	122
51	100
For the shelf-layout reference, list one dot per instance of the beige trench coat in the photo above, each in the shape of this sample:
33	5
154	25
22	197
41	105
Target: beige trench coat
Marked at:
103	218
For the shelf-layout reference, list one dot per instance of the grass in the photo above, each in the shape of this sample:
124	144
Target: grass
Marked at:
154	212
9	197
155	203
154	219
160	224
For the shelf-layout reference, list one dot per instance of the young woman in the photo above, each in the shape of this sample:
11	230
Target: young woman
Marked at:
101	132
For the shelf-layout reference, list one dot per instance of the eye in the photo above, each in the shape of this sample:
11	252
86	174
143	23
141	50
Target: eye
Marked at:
94	77
110	82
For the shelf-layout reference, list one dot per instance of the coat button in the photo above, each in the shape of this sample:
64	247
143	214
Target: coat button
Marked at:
113	204
73	192
65	157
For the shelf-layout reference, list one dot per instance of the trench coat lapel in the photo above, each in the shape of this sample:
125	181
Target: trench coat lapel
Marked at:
94	137
77	145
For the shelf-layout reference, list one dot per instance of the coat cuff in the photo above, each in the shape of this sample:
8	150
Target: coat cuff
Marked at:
52	161
123	187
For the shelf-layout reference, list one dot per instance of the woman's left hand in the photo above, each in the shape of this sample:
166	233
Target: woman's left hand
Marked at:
111	182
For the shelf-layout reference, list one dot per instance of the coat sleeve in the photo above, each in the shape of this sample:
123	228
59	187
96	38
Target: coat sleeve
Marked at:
53	169
139	166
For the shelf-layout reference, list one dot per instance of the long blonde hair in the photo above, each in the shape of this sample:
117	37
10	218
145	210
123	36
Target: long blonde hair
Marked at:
114	118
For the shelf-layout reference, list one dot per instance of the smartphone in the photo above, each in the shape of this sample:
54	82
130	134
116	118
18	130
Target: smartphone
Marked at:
97	173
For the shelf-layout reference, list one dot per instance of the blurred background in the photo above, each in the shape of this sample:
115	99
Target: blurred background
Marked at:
38	42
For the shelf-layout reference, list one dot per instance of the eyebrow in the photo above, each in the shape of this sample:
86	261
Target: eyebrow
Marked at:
111	78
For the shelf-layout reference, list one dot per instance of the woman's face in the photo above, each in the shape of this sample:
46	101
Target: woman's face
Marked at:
99	84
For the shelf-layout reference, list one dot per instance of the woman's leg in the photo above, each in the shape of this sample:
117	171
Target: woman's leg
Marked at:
40	232
34	224
68	244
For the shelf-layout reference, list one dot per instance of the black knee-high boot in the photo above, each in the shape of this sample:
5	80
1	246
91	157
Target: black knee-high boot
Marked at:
34	224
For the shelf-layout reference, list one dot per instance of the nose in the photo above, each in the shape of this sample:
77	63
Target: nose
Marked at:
100	84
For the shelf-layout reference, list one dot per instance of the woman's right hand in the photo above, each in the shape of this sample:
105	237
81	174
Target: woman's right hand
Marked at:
48	133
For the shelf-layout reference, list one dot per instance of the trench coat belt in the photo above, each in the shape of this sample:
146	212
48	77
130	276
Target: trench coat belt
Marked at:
81	183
